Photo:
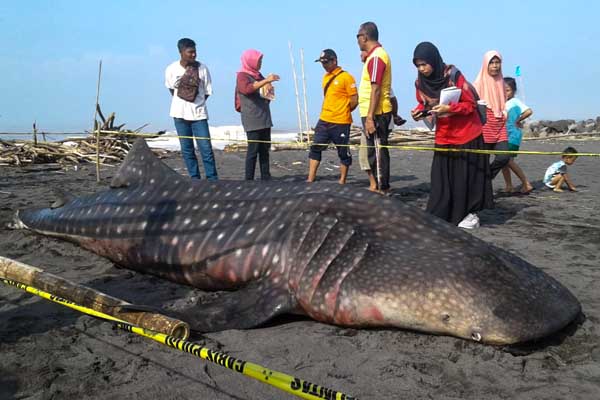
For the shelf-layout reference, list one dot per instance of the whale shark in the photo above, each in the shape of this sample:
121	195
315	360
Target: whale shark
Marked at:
337	254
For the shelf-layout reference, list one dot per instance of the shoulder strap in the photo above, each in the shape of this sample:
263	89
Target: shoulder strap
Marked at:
329	82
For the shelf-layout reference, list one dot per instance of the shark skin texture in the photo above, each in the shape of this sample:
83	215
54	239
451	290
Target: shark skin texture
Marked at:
337	254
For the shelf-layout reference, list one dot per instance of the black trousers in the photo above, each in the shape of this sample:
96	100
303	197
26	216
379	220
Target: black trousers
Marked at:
500	160
460	182
260	151
382	122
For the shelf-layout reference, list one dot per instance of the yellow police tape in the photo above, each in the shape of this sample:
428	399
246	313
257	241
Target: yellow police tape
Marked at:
306	145
287	383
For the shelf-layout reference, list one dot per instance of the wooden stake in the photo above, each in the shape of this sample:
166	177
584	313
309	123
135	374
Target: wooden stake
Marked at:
34	134
304	93
96	125
297	95
91	298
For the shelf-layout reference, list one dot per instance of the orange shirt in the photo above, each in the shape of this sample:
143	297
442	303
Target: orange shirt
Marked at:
336	104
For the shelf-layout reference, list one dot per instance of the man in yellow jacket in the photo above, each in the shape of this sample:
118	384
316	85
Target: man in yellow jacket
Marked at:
374	102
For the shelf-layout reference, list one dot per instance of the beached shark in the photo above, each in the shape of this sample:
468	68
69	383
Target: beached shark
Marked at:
338	254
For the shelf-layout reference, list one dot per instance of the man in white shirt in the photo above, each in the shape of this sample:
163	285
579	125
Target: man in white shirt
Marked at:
190	85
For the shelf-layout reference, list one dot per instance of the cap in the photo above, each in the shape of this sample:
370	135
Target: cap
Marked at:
326	55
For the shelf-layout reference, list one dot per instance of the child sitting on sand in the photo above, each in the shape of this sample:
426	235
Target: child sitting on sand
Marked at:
556	174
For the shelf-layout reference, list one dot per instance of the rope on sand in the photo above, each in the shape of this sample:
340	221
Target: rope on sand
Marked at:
287	383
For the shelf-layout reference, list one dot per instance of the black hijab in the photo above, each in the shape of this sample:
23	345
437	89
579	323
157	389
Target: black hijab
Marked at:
431	85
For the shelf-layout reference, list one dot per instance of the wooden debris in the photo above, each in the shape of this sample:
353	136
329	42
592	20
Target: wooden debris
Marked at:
67	152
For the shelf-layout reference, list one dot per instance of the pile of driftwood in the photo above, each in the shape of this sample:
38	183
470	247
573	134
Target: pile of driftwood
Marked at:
66	152
414	136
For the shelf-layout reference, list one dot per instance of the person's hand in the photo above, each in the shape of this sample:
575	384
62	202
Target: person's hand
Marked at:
441	108
520	124
272	78
398	120
417	115
370	126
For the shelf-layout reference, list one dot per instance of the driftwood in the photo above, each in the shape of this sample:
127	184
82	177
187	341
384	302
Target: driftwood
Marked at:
67	152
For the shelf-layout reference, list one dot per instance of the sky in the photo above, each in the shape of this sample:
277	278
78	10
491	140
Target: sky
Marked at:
49	53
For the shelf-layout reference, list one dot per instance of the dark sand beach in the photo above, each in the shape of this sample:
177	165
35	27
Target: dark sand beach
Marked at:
50	352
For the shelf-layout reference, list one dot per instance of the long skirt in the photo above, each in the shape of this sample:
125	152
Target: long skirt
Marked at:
460	182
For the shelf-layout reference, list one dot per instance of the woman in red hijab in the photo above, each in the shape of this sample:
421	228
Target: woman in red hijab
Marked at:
253	93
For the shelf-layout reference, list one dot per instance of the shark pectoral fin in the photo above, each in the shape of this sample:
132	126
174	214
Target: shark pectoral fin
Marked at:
245	308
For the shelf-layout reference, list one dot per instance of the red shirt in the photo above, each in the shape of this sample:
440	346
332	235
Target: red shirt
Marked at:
462	126
494	130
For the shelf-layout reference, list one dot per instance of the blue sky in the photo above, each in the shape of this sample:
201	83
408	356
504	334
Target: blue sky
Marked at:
49	52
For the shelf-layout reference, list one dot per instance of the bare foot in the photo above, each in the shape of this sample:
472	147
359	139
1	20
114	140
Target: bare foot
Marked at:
509	189
557	189
526	188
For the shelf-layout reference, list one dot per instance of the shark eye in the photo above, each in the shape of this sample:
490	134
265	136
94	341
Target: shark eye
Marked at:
476	336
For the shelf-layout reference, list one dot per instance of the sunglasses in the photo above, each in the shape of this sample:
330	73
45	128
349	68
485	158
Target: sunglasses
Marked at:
359	35
326	60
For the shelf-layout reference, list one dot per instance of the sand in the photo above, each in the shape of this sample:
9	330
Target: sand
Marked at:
50	352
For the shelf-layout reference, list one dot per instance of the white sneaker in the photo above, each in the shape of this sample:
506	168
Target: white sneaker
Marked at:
471	221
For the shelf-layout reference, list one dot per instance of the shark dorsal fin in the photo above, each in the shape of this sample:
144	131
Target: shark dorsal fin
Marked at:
62	198
142	166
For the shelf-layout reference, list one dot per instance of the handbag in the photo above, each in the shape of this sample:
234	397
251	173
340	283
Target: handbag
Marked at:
189	83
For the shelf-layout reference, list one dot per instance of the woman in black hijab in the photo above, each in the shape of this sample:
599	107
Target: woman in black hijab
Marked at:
460	181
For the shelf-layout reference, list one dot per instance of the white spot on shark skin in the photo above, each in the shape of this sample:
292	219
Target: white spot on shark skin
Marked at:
250	231
165	193
119	229
143	225
281	226
275	259
174	241
189	245
140	173
187	221
220	236
178	208
238	253
236	215
215	206
279	190
265	250
98	230
152	181
227	194
256	273
203	222
165	226
264	209
196	207
131	210
190	190
89	211
144	193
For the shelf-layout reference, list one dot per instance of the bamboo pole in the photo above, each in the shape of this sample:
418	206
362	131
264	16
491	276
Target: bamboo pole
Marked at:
96	126
297	95
91	298
34	134
304	93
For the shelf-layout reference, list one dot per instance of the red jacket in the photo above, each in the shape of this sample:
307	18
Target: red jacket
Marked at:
460	127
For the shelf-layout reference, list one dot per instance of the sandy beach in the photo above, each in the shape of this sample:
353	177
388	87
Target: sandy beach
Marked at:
50	352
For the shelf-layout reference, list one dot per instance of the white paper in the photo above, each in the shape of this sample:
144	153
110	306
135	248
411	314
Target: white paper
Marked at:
450	95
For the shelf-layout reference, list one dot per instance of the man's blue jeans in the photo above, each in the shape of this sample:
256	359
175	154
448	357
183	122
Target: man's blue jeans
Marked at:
199	130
